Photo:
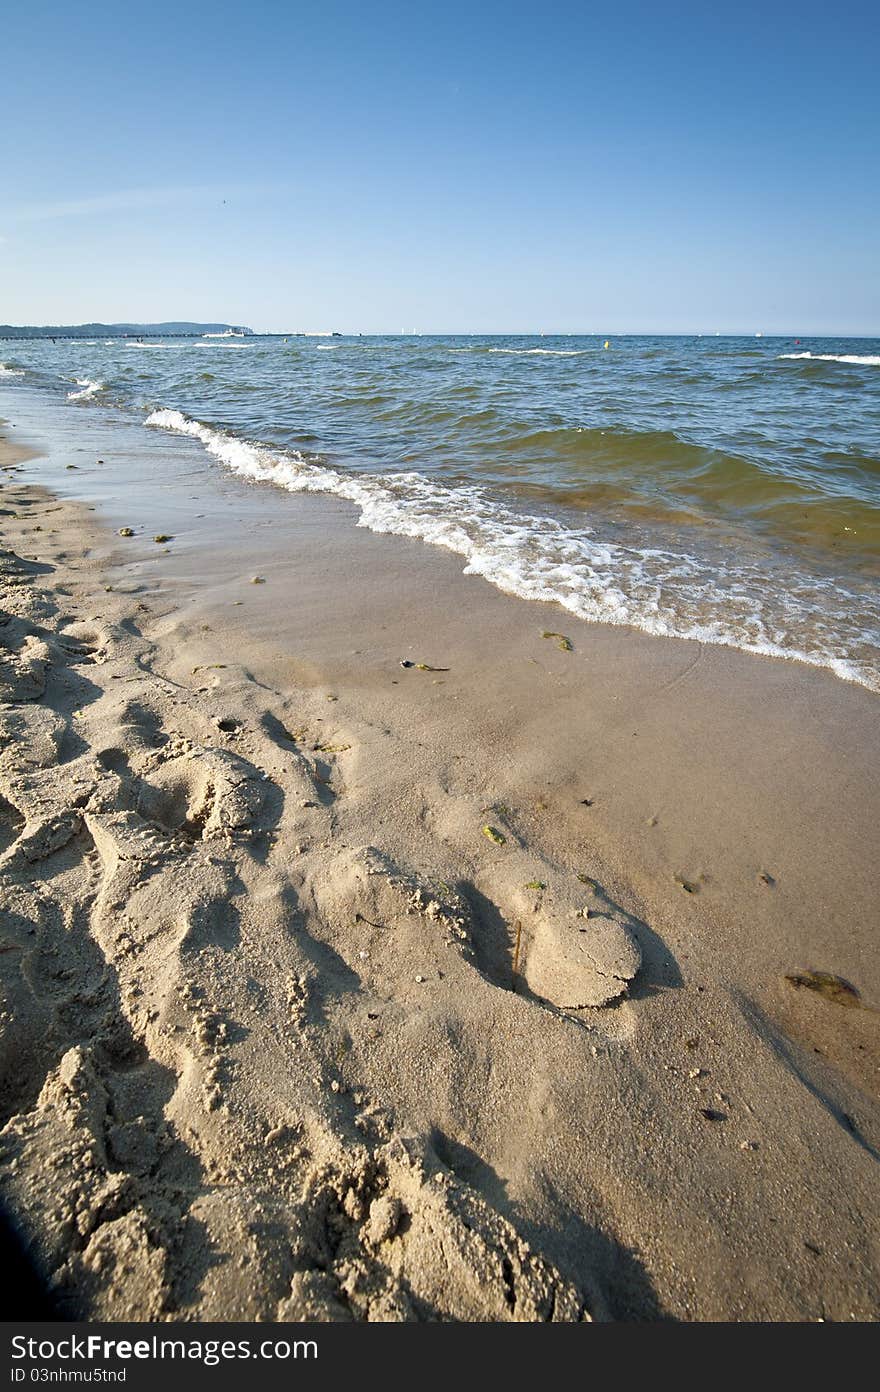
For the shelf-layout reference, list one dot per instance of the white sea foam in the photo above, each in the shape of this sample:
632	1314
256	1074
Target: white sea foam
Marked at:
663	592
192	343
525	352
6	371
541	352
863	359
88	389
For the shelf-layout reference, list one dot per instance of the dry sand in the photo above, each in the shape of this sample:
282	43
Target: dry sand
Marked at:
270	1049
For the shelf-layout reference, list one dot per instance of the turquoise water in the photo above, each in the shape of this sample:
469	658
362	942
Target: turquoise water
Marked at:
724	489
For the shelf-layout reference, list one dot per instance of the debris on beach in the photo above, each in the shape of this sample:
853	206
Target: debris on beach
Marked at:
833	988
688	886
494	835
126	531
257	580
161	536
562	642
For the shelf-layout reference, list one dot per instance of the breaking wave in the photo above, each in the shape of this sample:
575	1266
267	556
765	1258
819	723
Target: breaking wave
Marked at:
664	591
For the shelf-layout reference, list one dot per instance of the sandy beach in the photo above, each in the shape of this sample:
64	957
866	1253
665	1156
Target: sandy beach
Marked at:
380	946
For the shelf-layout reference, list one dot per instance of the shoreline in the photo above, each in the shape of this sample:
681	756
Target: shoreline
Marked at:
671	1144
663	572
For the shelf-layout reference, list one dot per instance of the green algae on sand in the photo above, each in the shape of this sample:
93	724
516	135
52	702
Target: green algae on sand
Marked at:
833	988
562	642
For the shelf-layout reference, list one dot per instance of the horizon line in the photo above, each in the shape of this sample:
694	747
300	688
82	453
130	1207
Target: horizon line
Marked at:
461	333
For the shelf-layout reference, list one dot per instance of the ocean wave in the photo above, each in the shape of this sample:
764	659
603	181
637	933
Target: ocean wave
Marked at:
861	359
664	592
7	371
541	352
193	343
88	389
525	352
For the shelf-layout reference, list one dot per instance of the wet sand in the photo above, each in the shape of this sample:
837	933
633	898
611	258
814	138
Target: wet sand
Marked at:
338	988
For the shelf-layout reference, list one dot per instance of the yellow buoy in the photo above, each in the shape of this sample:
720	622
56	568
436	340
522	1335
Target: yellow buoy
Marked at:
607	343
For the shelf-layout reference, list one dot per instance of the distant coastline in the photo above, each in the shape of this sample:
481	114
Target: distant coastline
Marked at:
173	329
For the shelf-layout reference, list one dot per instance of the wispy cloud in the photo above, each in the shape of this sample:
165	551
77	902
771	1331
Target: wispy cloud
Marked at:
124	201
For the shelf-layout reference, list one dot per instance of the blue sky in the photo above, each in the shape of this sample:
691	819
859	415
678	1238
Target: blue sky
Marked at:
448	167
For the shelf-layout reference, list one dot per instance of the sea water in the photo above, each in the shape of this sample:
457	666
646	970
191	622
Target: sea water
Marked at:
720	489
